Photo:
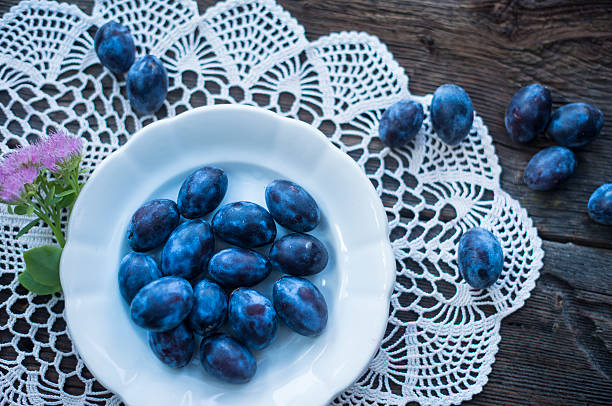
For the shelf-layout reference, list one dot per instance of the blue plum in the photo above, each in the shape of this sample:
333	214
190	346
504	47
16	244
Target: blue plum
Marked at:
209	307
162	304
400	123
115	47
174	347
292	206
225	358
452	113
600	204
298	255
151	224
252	318
235	267
528	112
135	271
202	192
244	224
300	305
147	84
549	168
575	125
188	250
480	258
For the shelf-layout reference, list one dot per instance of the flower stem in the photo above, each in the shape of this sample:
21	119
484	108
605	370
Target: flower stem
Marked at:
52	219
56	228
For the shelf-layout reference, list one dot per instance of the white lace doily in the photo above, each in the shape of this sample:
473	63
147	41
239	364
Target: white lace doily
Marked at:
442	336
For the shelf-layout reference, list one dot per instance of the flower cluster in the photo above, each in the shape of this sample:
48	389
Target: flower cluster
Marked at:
42	179
58	152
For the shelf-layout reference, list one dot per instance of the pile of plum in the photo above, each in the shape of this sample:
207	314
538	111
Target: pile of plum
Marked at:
571	126
479	255
187	292
147	78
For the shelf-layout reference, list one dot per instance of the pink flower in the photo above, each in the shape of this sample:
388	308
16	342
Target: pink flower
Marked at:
13	179
18	168
58	149
22	166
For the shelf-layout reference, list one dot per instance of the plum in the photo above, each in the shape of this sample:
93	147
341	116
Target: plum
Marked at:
147	84
234	267
209	307
300	305
162	304
400	123
135	271
298	255
480	258
600	204
114	46
252	318
549	168
244	224
528	112
202	192
173	347
151	224
452	113
226	359
575	125
292	206
188	250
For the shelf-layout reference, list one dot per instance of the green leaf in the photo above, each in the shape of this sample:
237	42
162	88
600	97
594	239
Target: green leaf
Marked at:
27	228
10	209
21	209
65	193
42	263
65	202
27	281
30	210
50	195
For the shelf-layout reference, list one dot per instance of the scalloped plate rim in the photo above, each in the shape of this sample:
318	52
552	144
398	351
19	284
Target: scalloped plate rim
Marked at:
387	256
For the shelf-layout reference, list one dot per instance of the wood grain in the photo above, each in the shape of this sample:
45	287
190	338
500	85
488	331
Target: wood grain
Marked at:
556	350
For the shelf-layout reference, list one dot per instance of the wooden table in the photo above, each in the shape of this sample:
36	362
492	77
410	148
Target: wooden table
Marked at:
556	350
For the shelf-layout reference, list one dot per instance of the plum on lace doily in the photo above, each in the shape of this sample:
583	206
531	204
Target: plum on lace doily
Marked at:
442	336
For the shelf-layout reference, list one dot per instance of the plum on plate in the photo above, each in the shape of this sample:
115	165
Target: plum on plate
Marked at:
209	307
600	204
234	267
151	224
480	258
188	250
549	168
452	113
292	206
114	46
528	112
300	305
135	271
225	358
575	125
252	318
147	84
162	304
244	224
173	347
298	255
400	123
202	192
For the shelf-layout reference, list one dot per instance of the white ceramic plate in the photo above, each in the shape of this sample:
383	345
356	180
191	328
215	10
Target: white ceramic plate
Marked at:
253	146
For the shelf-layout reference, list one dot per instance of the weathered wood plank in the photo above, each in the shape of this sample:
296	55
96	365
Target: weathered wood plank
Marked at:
556	350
